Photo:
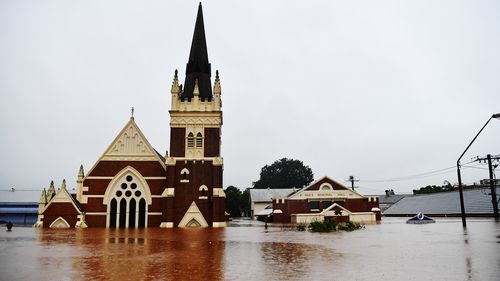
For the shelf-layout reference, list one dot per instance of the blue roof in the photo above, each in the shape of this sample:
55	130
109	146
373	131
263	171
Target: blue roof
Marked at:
18	210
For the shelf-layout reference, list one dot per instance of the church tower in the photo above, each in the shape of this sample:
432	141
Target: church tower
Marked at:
194	194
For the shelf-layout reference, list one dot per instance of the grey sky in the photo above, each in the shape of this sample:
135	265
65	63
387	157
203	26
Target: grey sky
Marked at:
375	89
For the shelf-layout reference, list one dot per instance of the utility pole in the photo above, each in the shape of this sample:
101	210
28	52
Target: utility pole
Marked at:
352	180
492	182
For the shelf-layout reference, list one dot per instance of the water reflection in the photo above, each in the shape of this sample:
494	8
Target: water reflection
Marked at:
140	254
389	251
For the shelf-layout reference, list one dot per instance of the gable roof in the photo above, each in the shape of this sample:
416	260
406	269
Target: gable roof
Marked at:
63	196
130	144
328	180
268	194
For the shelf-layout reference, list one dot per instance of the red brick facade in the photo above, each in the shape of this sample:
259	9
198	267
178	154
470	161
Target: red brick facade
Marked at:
322	196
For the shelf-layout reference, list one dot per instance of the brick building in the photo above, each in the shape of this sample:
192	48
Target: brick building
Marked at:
323	199
132	186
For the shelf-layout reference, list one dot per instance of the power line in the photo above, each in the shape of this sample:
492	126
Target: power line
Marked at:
420	175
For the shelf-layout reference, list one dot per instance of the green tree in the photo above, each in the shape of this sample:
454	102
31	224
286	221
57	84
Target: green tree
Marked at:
284	173
245	202
233	201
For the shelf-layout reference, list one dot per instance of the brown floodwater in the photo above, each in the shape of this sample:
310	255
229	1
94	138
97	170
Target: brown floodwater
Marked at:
391	250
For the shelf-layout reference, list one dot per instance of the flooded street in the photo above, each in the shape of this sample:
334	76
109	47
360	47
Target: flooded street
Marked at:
391	250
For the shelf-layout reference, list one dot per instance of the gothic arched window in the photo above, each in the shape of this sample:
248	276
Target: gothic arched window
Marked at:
190	140
125	195
199	140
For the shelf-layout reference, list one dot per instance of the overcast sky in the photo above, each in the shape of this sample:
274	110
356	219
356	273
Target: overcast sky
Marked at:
380	90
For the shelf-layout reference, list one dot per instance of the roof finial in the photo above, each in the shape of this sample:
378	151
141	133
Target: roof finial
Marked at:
63	185
132	113
81	174
175	74
217	74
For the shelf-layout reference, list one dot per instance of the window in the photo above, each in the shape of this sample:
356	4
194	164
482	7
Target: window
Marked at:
326	204
326	186
184	175
203	192
199	140
190	140
123	211
314	205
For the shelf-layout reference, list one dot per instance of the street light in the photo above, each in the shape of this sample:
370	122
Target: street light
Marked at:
460	189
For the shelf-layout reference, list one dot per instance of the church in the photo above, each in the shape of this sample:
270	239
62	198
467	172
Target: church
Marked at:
131	185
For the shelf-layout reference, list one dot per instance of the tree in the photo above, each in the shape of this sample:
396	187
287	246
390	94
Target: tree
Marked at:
237	203
233	201
284	173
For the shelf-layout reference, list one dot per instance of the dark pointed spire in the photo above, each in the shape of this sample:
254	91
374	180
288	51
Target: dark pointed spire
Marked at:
198	67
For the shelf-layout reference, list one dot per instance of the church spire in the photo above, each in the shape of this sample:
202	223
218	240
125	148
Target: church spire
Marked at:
198	67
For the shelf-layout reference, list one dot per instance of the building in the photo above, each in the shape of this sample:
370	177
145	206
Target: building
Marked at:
389	198
261	200
19	206
324	199
477	203
132	186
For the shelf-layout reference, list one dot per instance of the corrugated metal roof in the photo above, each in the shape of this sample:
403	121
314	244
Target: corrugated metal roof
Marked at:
267	194
18	210
477	201
391	199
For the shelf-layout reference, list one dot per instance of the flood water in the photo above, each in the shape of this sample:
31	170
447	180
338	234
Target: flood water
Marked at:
391	250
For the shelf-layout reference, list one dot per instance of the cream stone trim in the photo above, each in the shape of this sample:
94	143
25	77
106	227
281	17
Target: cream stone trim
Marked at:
193	214
94	196
168	192
81	224
110	154
328	211
96	214
170	161
156	196
327	185
60	222
333	194
155	213
39	222
167	225
129	157
219	192
219	224
109	193
277	211
205	121
98	178
63	196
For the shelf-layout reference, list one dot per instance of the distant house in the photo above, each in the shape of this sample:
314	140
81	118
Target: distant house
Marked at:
324	199
19	206
477	203
260	199
389	198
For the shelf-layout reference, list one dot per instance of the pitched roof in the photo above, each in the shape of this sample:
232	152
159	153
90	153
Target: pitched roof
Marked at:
130	144
198	68
477	201
268	194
